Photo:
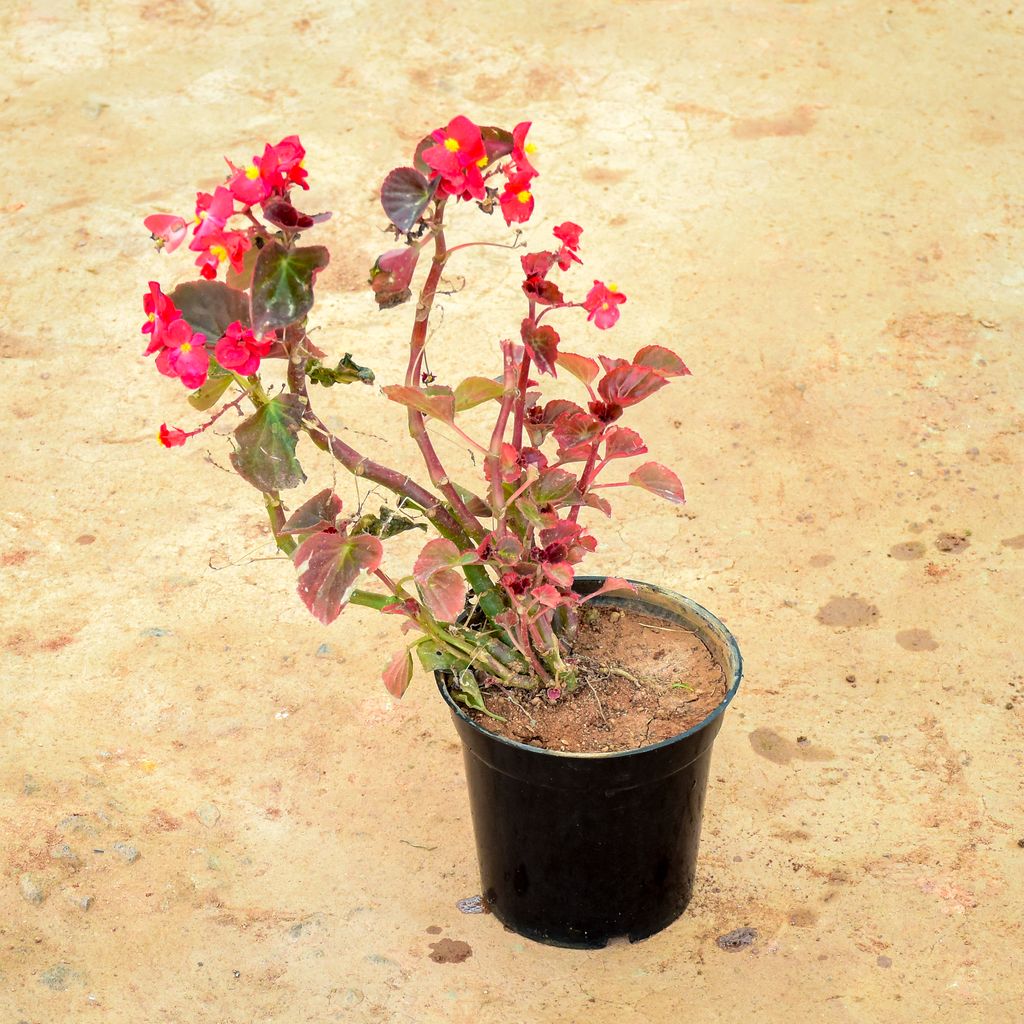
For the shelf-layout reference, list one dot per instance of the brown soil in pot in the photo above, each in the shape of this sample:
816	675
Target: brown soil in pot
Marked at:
642	680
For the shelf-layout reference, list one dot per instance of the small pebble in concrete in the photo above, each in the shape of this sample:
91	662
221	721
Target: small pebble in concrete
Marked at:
884	961
64	852
472	905
738	938
76	899
208	814
126	852
32	890
58	977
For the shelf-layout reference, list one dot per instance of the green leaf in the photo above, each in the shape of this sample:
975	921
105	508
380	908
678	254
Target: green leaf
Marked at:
282	284
404	195
210	306
554	485
346	372
468	693
265	456
434	660
476	390
211	392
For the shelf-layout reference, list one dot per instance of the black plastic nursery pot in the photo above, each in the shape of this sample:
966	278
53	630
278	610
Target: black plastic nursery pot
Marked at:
577	849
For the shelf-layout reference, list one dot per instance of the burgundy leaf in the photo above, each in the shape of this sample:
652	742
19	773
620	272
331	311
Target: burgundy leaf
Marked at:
335	562
601	504
622	443
391	274
281	213
546	293
627	385
537	264
575	428
404	195
398	674
662	360
318	513
542	345
554	485
548	596
443	587
660	480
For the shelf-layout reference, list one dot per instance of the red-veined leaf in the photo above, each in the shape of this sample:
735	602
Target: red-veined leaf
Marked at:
548	596
265	455
576	428
391	274
436	402
442	586
282	284
398	674
601	504
335	562
554	485
582	367
661	359
560	573
623	443
658	479
318	513
476	390
627	385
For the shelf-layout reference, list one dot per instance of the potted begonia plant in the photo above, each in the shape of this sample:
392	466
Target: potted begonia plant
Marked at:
580	837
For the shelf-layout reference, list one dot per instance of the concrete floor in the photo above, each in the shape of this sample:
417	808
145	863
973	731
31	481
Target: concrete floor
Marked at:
820	205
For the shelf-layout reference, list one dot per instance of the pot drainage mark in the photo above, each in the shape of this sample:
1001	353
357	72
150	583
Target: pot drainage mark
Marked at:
473	905
738	938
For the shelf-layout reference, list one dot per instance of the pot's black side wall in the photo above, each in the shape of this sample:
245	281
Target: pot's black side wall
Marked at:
575	849
580	851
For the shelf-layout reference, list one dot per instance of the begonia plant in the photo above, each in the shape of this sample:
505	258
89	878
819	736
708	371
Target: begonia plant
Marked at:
490	597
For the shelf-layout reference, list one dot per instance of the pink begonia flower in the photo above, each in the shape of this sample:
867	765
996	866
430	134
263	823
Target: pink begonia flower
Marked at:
171	437
517	199
184	355
212	213
602	304
240	350
168	231
569	234
457	157
160	311
225	245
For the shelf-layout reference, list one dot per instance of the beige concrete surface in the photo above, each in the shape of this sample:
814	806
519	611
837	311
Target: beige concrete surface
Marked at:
820	206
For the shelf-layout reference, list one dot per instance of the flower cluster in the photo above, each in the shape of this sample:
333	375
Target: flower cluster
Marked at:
462	162
509	542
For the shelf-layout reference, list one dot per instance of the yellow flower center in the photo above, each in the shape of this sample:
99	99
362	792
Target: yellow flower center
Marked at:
452	145
613	287
200	217
186	347
152	318
220	252
482	162
524	196
529	148
604	305
252	172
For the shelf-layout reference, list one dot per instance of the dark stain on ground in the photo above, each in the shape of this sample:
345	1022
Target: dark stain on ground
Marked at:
770	745
450	951
802	917
798	122
907	551
434	930
916	640
820	561
951	542
847	611
1013	542
85	538
738	938
19	556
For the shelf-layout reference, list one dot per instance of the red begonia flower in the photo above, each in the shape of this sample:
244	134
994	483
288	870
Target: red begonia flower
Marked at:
521	149
225	245
171	437
458	146
602	304
212	213
184	355
569	234
517	199
274	173
240	350
168	231
160	312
